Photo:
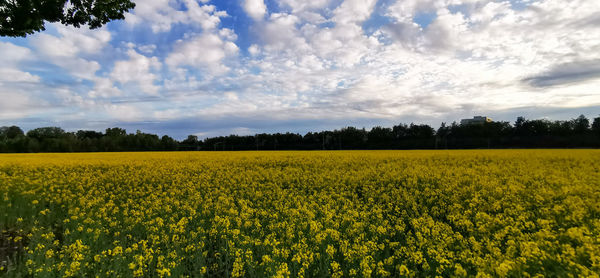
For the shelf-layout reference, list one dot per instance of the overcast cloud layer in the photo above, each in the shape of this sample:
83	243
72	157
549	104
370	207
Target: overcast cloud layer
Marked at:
205	67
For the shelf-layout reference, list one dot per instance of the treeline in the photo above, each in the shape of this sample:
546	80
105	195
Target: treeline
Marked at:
575	133
55	139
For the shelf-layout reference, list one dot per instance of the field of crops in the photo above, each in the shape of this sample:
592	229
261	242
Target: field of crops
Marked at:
301	214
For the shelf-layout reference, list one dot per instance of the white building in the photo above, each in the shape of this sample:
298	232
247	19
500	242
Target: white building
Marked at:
476	120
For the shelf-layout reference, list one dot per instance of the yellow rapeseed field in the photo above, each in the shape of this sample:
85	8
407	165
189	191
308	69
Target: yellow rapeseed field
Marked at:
515	213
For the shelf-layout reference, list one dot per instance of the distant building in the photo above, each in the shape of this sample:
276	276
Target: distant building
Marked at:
476	120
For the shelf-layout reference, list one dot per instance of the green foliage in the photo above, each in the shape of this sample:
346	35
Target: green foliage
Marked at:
574	133
10	132
19	18
46	133
115	132
596	126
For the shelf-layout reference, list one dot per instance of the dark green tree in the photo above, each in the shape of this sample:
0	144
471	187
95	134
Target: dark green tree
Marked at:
167	143
596	126
115	132
191	140
350	138
519	123
420	131
191	143
42	133
380	137
83	134
10	132
400	131
19	18
581	124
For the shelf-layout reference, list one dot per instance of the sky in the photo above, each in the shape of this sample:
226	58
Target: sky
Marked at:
210	67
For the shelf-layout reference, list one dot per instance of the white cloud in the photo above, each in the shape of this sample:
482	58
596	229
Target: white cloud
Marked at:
23	94
280	33
14	75
353	11
138	70
12	54
471	61
301	5
71	41
315	60
124	112
458	62
404	11
205	51
161	15
104	88
444	32
206	16
19	106
256	9
148	48
67	49
254	50
12	57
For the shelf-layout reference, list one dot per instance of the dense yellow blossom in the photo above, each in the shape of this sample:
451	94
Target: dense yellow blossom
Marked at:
303	214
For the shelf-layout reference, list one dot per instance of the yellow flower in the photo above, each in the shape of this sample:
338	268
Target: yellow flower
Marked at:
330	251
356	213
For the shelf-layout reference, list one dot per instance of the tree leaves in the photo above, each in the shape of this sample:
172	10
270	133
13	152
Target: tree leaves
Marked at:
25	17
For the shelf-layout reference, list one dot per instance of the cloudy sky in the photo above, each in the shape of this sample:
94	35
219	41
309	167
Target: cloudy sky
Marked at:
216	67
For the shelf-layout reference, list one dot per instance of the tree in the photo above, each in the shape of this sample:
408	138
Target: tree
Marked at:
167	143
350	138
581	124
561	128
190	143
191	140
421	131
90	134
19	18
381	137
442	134
443	130
400	131
115	132
10	132
42	133
519	129
596	126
